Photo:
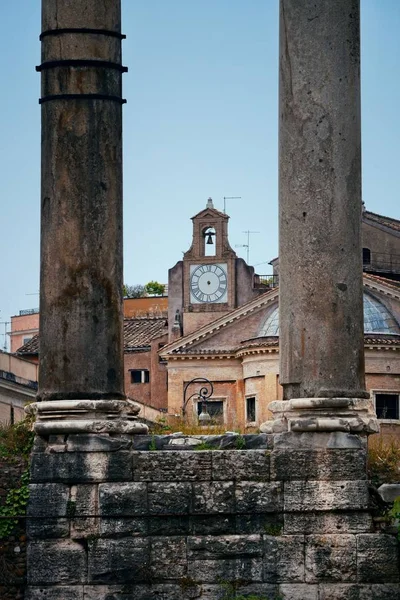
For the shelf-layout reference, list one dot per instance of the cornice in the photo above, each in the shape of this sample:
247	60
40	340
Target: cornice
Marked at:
236	314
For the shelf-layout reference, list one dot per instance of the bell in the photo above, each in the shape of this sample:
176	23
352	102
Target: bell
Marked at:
209	239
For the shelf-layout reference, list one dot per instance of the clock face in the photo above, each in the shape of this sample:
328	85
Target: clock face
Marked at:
208	283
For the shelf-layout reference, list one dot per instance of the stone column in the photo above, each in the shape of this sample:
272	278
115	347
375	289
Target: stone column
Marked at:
81	384
321	304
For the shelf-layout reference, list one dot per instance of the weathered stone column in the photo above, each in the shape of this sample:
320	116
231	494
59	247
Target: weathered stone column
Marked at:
321	307
81	317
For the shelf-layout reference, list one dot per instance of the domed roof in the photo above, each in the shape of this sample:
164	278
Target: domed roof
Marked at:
377	319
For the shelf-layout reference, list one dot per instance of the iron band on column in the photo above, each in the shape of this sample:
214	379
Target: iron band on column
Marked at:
49	32
82	62
52	97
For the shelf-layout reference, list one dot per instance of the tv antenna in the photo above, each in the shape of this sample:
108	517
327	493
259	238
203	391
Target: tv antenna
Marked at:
5	323
230	198
249	233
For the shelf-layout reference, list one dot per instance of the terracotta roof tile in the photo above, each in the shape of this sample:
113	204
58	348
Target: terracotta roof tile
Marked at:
387	221
384	280
31	347
138	334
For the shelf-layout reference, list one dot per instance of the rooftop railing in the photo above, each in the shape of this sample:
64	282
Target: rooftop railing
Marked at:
266	281
28	311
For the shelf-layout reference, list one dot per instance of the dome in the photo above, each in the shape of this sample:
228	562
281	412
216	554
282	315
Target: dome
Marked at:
377	319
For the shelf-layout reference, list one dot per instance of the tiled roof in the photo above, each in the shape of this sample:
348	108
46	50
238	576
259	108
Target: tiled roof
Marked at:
384	280
387	221
381	340
31	347
138	334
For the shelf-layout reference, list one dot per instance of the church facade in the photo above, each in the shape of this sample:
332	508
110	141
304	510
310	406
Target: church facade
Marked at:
224	326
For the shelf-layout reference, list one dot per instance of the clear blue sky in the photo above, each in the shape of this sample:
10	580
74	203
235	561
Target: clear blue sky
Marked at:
201	120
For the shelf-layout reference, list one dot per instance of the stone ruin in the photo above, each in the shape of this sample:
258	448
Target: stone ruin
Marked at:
119	515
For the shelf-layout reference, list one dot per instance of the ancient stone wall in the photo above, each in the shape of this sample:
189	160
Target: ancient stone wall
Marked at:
284	516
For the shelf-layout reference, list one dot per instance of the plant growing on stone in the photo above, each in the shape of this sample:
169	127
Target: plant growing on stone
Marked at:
273	528
395	514
383	460
240	443
16	440
230	592
204	446
14	506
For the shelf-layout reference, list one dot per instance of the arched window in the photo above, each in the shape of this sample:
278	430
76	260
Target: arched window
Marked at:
210	241
366	256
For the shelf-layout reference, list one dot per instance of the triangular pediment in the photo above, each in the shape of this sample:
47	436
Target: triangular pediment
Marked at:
216	331
226	333
211	213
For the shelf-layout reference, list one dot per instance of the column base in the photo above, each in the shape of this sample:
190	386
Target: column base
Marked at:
86	416
354	415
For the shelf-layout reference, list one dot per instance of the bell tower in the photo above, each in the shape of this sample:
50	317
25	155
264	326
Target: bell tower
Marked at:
211	280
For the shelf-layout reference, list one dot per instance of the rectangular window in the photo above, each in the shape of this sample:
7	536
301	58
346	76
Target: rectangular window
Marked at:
387	406
215	409
251	409
26	340
140	376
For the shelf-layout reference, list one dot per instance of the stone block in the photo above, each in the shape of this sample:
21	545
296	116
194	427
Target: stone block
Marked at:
213	497
80	467
310	496
217	571
54	593
248	465
169	525
327	522
344	591
259	440
298	591
168	558
258	497
169	498
269	524
122	499
377	558
331	558
84	500
212	524
81	442
283	558
56	562
259	591
123	560
328	464
172	466
389	491
47	500
226	546
185	589
314	440
121	527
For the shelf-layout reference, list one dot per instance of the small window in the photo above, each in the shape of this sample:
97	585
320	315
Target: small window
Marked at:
140	376
387	406
366	256
215	409
26	340
251	409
